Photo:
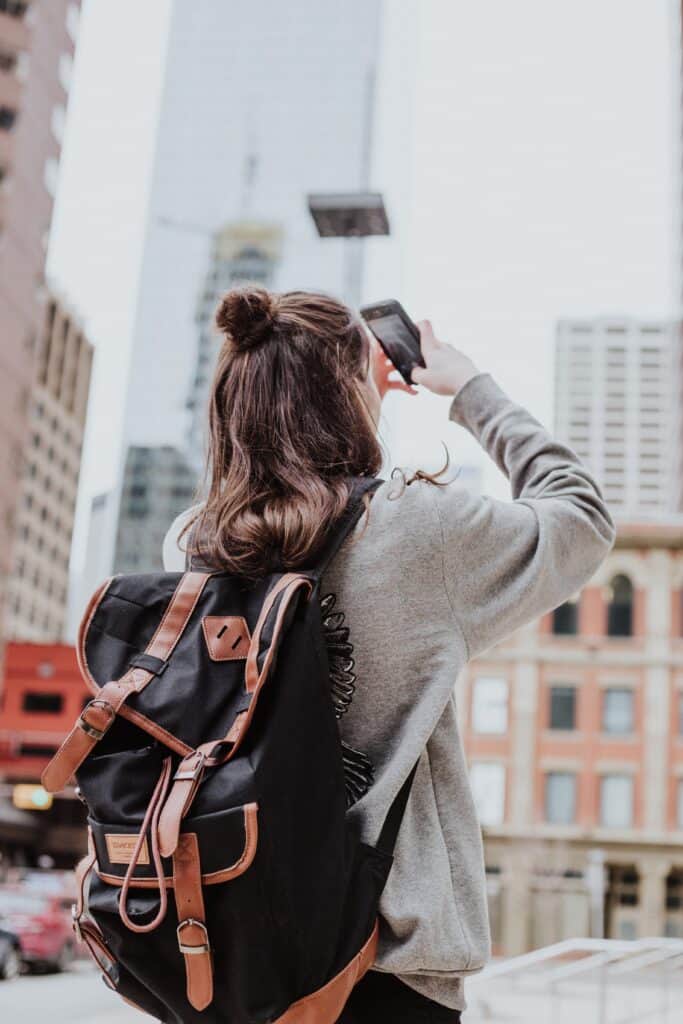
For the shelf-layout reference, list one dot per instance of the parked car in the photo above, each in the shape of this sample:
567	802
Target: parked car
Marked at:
10	955
43	925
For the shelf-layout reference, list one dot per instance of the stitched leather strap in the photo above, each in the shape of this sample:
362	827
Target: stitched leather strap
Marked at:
99	715
186	782
151	823
193	938
82	872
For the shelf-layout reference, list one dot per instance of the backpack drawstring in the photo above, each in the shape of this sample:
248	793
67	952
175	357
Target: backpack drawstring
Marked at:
151	823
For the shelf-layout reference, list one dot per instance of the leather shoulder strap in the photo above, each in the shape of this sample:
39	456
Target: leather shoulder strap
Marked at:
362	489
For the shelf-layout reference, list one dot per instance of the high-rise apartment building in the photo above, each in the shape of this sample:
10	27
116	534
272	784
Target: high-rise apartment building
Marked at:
262	104
242	252
37	40
617	403
573	729
158	483
36	606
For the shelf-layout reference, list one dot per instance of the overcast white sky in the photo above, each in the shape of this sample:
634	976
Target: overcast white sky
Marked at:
527	151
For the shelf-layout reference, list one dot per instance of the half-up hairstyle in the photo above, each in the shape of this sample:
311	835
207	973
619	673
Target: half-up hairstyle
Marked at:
287	428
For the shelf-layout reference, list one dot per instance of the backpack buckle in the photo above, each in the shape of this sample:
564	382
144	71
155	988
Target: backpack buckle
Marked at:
204	947
91	730
191	772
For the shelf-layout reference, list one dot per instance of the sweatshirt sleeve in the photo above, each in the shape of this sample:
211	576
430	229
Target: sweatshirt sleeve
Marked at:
507	562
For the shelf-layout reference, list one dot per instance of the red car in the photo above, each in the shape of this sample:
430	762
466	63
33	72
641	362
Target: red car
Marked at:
42	923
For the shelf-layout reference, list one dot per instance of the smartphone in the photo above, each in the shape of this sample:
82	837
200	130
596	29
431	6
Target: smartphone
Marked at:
396	333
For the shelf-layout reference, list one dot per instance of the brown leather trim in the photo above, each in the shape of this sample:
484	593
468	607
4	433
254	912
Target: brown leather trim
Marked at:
288	586
82	873
325	1006
186	782
93	941
193	937
251	672
88	615
163	642
98	716
157	731
85	928
227	637
242	864
248	853
178	612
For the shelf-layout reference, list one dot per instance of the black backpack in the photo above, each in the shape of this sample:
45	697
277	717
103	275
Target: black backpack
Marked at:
224	882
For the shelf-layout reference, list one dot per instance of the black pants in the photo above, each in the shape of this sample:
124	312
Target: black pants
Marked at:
383	999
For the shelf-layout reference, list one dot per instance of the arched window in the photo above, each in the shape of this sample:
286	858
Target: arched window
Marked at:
620	608
566	618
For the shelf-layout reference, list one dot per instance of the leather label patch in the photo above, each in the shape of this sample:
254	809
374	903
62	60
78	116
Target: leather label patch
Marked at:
120	848
227	637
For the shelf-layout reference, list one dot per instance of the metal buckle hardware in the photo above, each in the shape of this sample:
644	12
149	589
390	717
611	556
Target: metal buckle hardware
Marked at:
205	947
191	774
91	730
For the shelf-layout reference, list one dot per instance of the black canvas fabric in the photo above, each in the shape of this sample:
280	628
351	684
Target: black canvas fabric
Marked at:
307	903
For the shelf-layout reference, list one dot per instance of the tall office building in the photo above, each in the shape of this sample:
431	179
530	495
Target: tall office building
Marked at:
158	482
37	42
617	404
262	104
39	579
242	252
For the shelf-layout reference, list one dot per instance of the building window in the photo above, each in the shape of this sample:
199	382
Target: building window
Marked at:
490	705
487	781
616	801
563	707
8	60
617	711
620	607
15	8
560	798
7	118
36	750
566	619
43	703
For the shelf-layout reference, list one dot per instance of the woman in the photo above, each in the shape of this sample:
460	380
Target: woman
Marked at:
432	577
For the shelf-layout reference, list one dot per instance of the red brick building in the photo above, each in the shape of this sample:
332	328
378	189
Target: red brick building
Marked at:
42	695
574	733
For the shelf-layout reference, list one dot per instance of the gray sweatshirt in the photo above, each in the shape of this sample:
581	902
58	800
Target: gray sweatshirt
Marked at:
435	577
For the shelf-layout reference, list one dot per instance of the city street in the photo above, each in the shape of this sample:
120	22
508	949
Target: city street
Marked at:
77	997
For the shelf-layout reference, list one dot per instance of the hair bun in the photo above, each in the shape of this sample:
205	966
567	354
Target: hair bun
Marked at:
246	316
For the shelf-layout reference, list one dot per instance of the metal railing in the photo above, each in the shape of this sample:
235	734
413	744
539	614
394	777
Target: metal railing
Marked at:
596	981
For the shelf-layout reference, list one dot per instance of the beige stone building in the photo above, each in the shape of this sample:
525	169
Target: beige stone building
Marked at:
37	591
574	735
37	43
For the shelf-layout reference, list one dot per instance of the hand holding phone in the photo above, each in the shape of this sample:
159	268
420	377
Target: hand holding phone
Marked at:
416	352
397	334
447	369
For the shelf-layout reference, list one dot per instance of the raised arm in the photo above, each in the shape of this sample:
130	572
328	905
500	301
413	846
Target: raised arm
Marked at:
506	562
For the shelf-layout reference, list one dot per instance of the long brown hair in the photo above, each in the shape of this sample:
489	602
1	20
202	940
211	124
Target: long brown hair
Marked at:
287	428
